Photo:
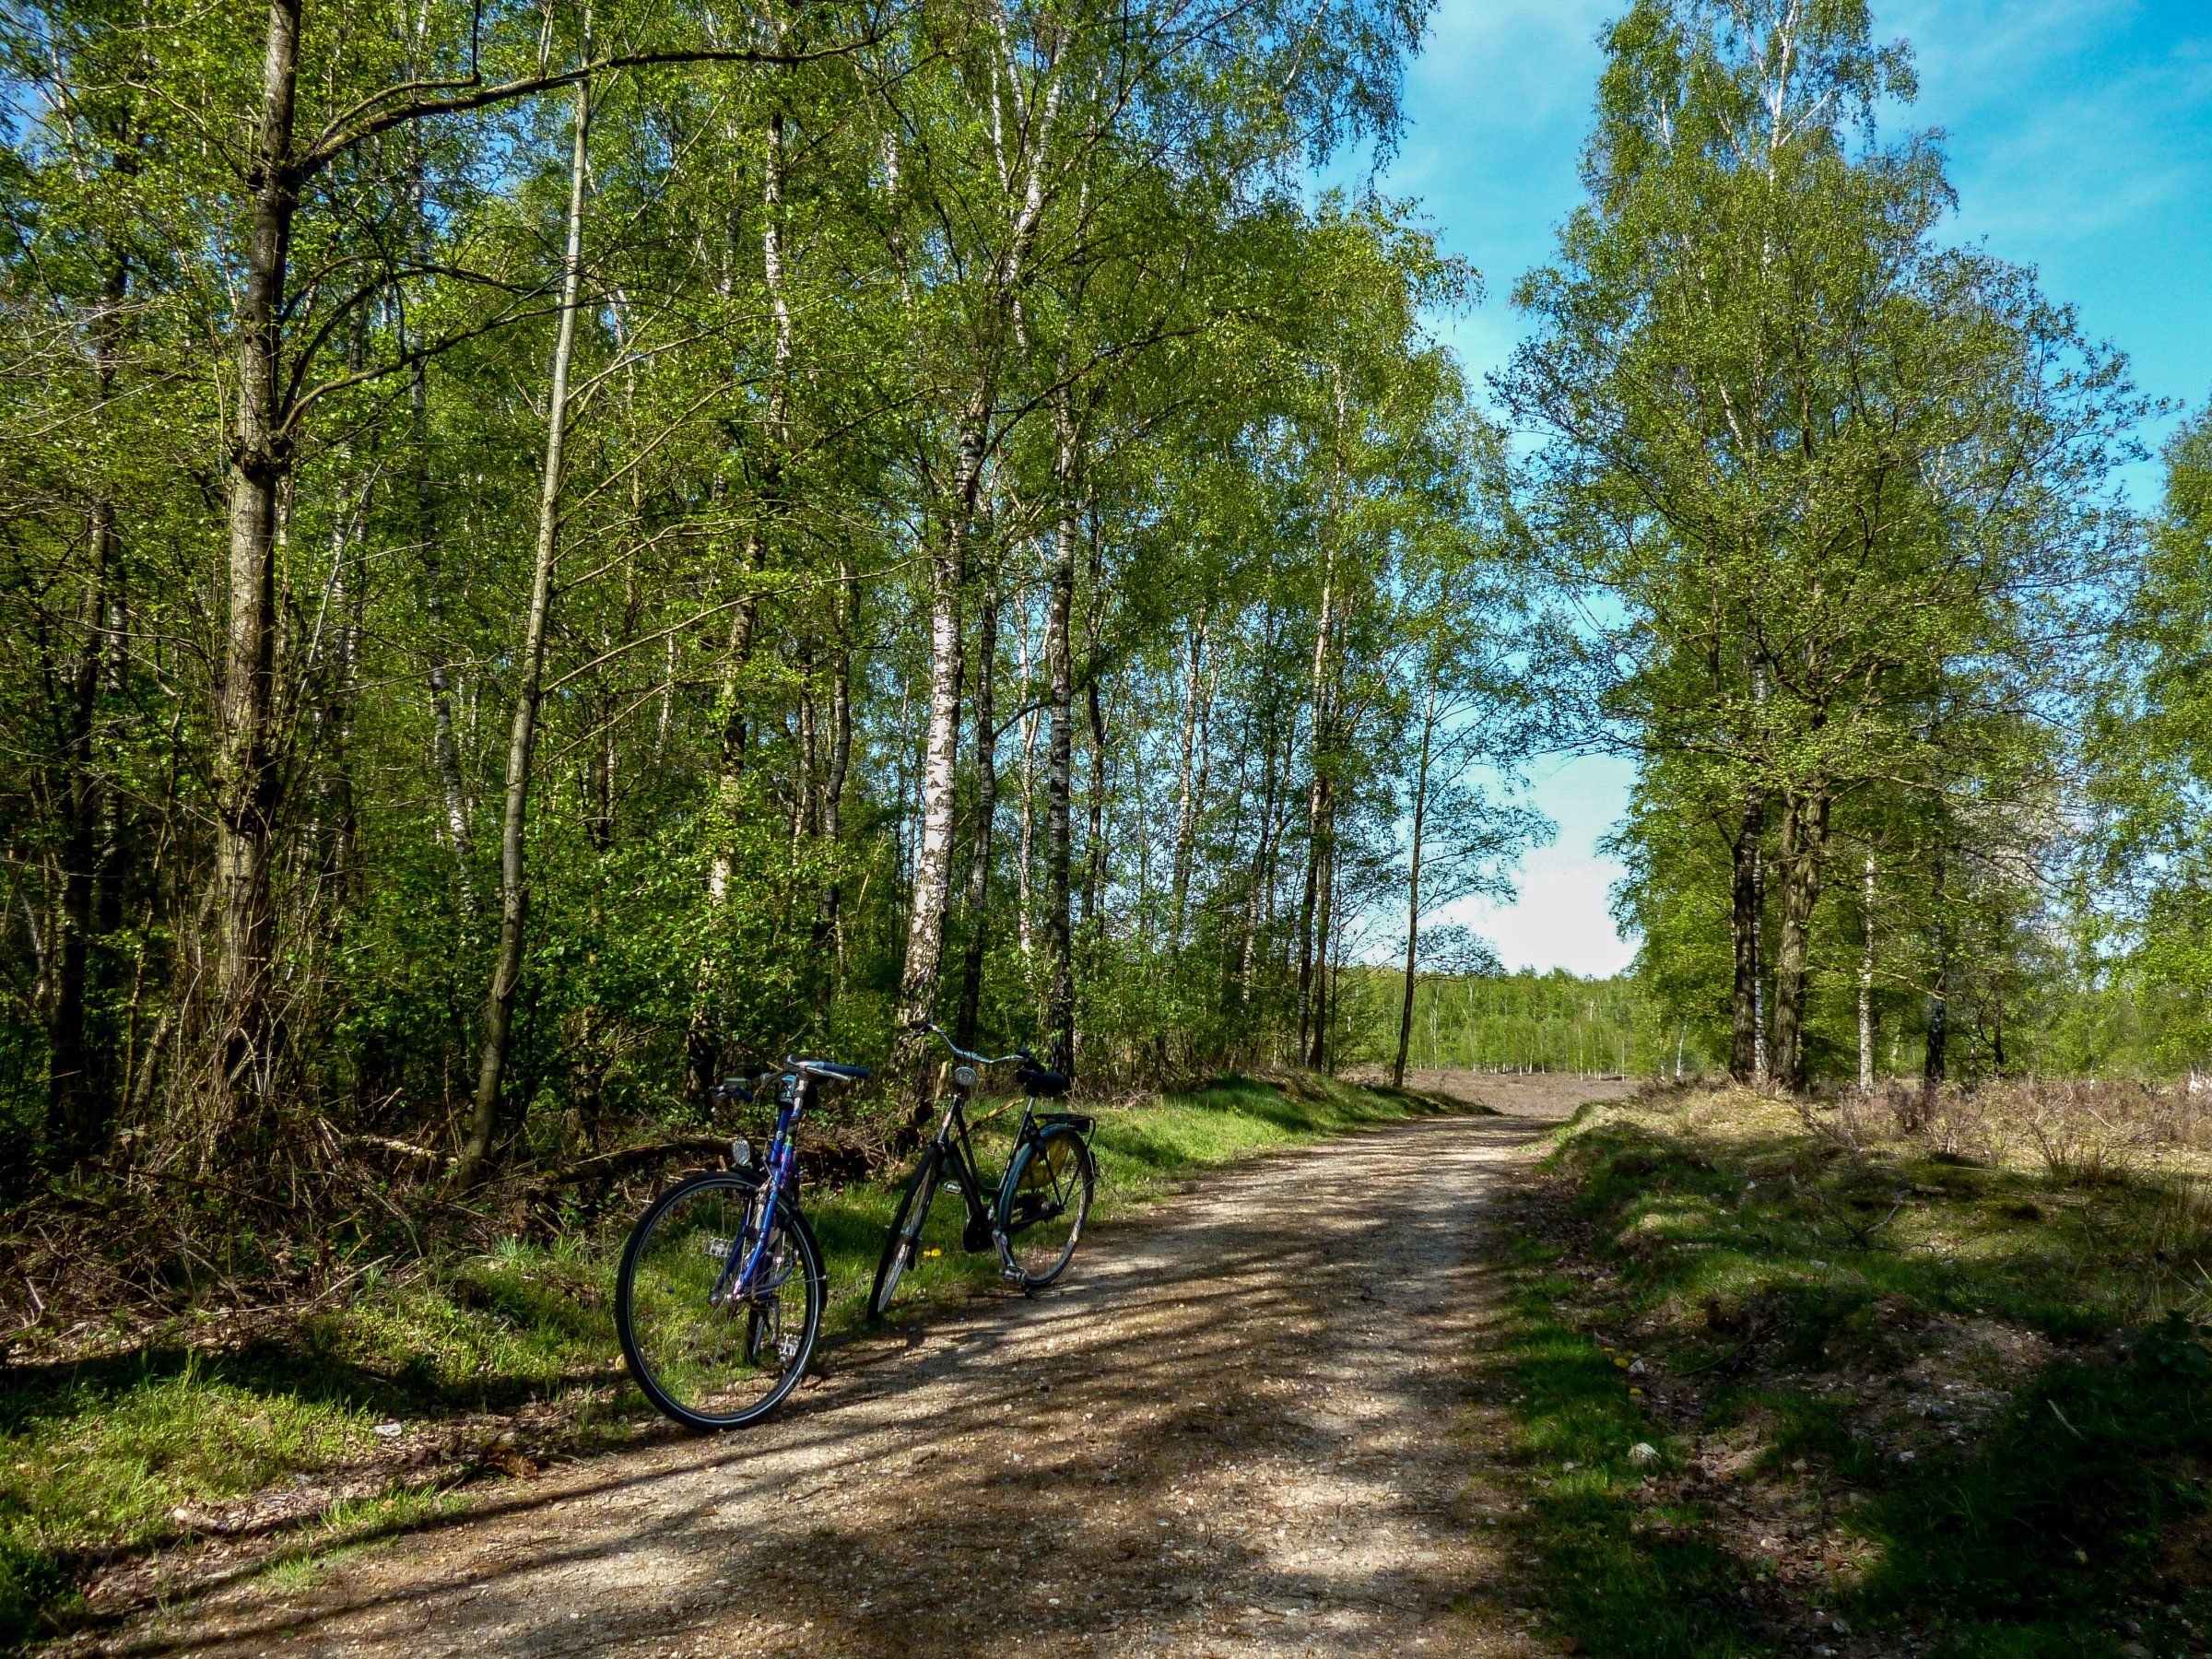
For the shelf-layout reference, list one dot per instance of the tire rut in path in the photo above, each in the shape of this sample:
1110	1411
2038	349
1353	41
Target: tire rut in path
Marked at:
1238	1428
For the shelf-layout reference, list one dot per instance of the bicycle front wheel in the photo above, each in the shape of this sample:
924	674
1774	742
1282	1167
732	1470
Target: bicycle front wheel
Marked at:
713	1344
1043	1205
910	1234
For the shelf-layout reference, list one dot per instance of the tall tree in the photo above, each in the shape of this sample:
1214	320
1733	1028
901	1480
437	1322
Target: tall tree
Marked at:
1749	358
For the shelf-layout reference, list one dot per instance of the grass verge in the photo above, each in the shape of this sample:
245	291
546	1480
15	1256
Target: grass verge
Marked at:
309	1433
1781	1384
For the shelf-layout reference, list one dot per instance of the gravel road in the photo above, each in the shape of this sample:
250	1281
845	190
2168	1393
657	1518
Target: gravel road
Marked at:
1242	1426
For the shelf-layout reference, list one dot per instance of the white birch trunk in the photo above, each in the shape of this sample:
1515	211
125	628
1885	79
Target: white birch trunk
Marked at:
1867	989
514	893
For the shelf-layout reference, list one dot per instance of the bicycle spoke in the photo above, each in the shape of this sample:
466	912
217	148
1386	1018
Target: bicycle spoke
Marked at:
1046	1204
716	1319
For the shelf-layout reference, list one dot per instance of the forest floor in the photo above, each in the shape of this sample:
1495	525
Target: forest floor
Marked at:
1248	1423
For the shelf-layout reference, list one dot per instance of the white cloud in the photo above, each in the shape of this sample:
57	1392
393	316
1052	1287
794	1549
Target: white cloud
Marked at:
1560	920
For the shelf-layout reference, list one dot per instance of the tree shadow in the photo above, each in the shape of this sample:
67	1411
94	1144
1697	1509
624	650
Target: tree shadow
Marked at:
1767	1271
1091	1471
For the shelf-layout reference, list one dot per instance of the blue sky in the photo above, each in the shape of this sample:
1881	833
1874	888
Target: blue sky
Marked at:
2079	134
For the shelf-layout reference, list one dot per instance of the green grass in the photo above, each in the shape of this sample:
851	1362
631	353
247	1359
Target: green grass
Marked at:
103	1455
1622	1575
1776	1276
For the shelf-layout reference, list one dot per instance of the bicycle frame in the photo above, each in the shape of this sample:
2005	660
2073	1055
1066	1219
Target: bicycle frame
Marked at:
780	1176
955	1141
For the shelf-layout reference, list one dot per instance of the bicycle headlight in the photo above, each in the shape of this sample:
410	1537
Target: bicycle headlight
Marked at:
741	1153
965	1076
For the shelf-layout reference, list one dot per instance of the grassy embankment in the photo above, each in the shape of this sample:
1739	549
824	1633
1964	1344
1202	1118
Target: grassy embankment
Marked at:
225	1426
1858	1382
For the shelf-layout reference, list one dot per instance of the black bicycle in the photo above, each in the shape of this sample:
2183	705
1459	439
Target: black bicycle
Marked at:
1035	1219
719	1300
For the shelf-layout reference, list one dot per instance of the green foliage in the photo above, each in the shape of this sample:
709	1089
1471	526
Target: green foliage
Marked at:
1842	597
2151	745
1547	1022
812	293
1623	1578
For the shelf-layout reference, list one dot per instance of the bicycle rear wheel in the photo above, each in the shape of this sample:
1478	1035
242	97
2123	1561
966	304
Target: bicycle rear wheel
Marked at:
705	1354
912	1237
1046	1197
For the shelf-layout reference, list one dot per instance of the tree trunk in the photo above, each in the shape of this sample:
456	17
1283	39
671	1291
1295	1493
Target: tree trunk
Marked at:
933	856
1743	929
1804	847
79	1093
1763	1070
514	893
439	672
1317	795
335	713
248	779
77	1111
1324	937
1866	986
802	757
703	1049
1025	900
840	765
1935	1064
1260	879
1199	787
1186	805
1413	884
977	898
1059	766
703	1052
1094	846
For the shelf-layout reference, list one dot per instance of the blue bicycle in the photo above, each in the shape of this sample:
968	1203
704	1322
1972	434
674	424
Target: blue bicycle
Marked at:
719	1300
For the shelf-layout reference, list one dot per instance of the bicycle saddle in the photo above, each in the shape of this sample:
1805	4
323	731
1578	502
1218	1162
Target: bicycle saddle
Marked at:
1049	1085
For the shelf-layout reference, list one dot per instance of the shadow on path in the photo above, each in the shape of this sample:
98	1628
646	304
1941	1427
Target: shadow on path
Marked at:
1238	1428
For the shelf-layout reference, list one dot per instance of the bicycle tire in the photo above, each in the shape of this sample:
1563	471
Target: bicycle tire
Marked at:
676	1342
902	1239
1043	1203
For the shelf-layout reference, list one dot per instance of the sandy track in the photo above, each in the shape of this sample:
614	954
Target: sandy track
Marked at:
1242	1427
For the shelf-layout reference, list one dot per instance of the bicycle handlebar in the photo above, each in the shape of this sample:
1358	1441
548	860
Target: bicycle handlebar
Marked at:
962	1054
740	1087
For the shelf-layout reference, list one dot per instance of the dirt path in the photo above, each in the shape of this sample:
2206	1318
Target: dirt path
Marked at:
1240	1428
